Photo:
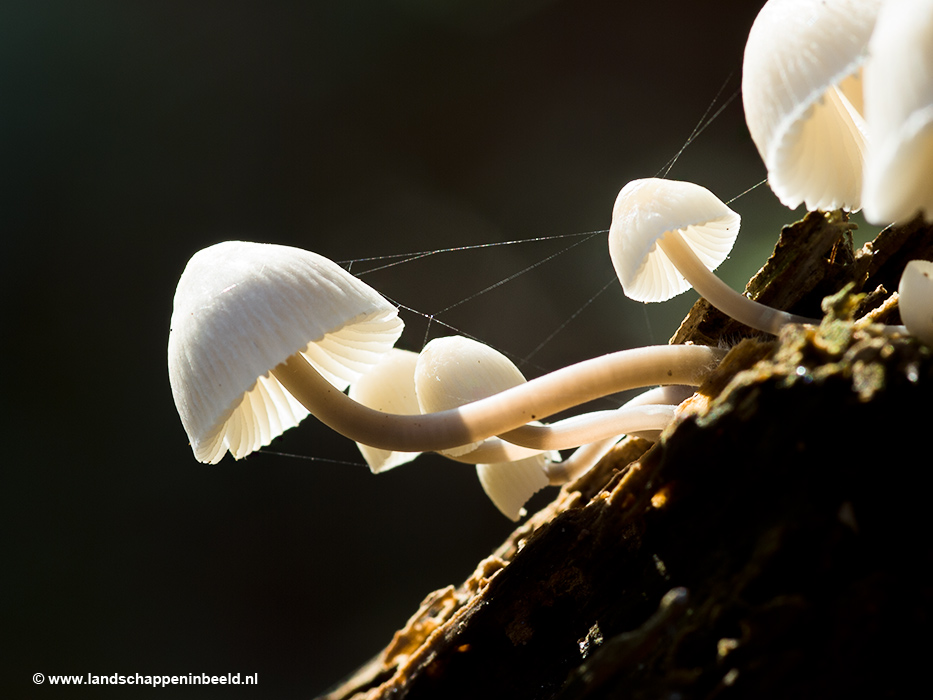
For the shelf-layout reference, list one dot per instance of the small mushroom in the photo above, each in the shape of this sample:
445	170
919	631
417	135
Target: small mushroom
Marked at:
915	299
667	236
899	112
801	91
390	387
242	308
455	370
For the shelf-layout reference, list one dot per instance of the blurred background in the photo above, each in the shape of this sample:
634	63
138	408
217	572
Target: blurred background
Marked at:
135	133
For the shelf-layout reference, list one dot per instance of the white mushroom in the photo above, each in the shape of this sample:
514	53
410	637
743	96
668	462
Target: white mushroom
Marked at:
915	299
667	236
242	308
802	96
899	112
455	370
390	387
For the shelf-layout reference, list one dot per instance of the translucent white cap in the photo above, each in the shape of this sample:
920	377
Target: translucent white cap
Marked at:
243	308
915	299
509	485
802	96
454	371
644	212
899	113
389	387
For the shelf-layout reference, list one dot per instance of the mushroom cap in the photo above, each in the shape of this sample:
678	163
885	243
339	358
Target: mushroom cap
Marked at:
509	485
801	92
454	370
647	209
389	387
915	299
899	112
241	309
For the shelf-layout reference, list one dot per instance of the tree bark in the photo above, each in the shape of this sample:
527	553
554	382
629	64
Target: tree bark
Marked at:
774	543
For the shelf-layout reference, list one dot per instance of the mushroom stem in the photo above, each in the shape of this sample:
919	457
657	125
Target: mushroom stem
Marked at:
586	456
590	427
721	295
530	440
494	450
502	412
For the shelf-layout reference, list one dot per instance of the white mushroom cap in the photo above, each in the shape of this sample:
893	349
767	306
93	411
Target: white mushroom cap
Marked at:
915	299
509	485
454	371
241	309
390	387
647	209
899	113
802	113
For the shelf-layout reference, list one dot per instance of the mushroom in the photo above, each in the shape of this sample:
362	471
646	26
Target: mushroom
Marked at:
899	112
455	370
389	386
801	90
667	236
915	299
242	308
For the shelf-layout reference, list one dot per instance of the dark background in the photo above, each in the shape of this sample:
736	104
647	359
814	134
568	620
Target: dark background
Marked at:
135	133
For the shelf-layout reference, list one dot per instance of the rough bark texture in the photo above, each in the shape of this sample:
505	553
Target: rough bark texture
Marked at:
774	543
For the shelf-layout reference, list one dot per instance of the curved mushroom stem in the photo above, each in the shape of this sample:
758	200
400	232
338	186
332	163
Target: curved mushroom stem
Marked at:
586	456
502	412
590	427
530	440
493	450
721	295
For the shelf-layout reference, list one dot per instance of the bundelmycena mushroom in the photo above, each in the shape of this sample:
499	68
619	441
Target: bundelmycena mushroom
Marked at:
455	370
247	347
389	386
899	113
915	299
801	89
241	308
667	236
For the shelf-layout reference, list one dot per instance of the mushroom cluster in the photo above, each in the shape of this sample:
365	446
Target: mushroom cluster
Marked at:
838	98
263	335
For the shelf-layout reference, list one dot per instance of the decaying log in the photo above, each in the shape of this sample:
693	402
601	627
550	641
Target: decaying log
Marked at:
774	543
